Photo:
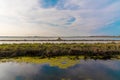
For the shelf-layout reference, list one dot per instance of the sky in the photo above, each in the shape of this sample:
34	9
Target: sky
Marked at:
59	17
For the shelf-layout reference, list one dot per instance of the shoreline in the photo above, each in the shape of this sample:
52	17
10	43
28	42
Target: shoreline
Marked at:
61	40
56	41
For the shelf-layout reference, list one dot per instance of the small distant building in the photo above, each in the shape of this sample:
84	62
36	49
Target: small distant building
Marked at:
59	39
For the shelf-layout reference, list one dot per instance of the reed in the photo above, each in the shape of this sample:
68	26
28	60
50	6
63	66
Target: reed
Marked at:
96	50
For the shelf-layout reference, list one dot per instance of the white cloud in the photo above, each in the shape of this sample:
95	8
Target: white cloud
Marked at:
26	17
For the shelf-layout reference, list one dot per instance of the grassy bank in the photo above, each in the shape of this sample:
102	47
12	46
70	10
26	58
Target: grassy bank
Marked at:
95	51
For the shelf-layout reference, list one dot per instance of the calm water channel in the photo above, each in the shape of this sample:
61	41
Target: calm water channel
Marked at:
82	70
11	40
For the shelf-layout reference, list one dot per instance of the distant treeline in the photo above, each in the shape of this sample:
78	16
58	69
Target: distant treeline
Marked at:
48	50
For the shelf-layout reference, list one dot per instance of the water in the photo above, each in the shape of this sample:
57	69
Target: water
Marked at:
84	70
7	40
55	38
19	42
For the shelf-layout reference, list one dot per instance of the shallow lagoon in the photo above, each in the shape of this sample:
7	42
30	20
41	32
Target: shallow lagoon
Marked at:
60	69
35	39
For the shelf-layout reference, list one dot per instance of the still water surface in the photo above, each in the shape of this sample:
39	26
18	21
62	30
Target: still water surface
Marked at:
84	70
13	39
55	38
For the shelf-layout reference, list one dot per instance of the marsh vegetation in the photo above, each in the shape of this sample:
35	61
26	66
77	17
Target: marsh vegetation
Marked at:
48	50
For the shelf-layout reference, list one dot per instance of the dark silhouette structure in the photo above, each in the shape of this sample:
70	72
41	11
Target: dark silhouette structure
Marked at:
59	39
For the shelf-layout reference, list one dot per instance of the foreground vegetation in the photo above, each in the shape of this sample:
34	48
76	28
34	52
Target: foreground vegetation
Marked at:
62	62
48	50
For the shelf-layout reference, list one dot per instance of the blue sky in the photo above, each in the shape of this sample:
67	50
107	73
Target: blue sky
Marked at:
59	17
111	29
48	3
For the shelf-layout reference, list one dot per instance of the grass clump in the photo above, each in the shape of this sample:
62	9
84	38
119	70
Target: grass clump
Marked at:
48	50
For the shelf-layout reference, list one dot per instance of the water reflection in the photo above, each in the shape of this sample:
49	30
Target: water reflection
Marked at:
84	70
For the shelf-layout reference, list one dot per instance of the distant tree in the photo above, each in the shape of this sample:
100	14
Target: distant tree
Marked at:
59	39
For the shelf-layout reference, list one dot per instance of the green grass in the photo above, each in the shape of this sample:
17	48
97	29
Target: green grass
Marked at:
48	50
